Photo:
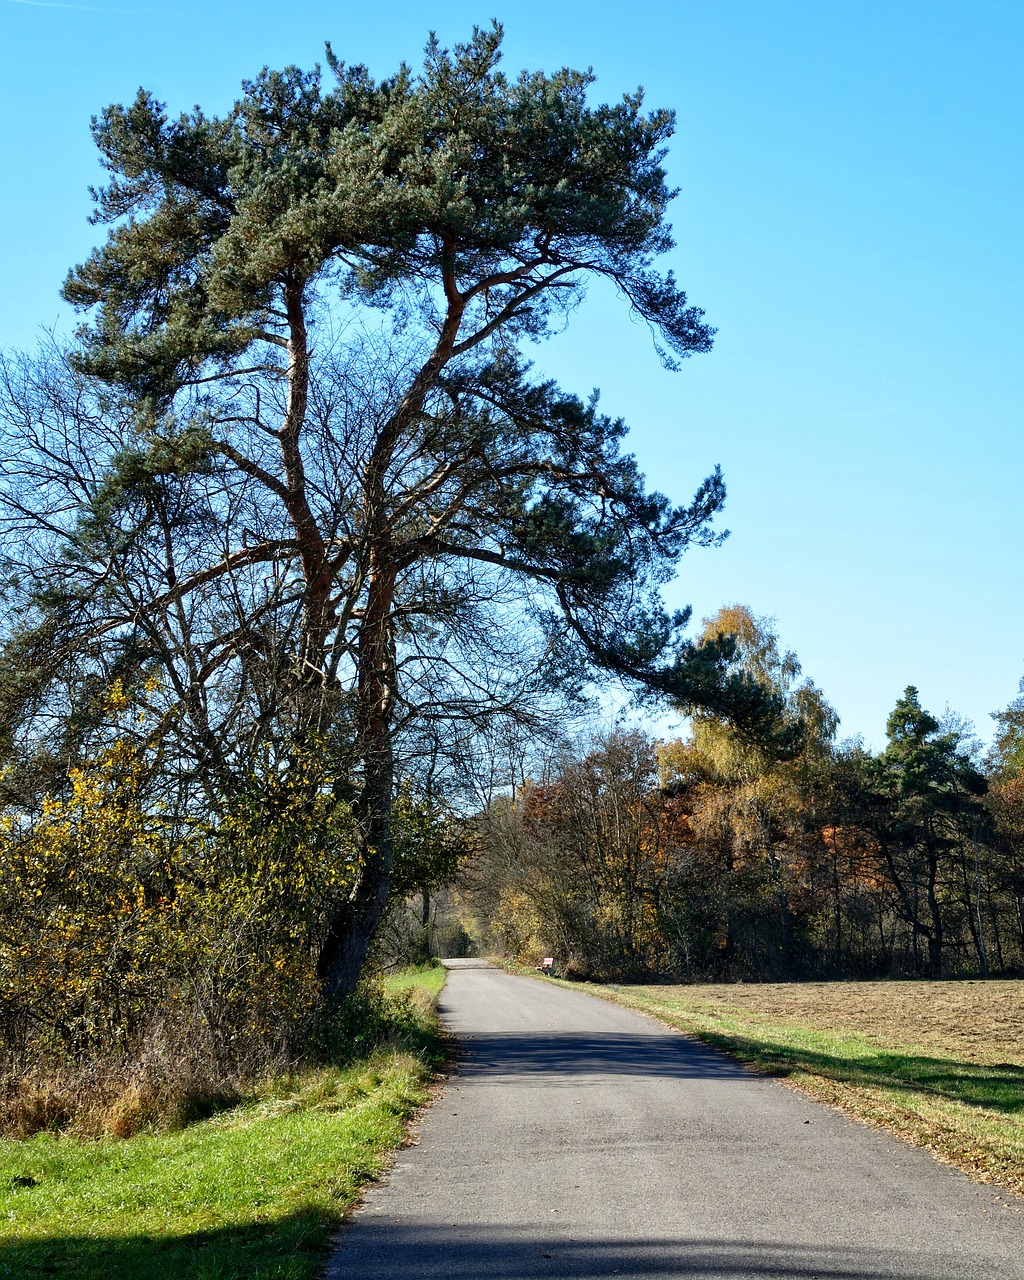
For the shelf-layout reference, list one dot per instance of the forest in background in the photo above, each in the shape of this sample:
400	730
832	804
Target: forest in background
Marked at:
709	858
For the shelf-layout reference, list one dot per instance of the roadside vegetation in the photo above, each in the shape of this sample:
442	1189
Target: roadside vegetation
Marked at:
255	1191
294	539
940	1064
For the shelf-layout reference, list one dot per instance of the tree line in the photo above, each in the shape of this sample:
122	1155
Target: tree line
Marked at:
714	857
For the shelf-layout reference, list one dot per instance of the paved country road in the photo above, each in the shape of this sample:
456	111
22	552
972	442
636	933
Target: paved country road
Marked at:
580	1139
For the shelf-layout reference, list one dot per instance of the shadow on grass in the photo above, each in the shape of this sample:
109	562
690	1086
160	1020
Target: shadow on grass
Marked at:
573	1054
293	1248
995	1088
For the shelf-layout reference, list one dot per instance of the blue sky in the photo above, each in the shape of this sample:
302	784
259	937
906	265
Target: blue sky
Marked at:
849	216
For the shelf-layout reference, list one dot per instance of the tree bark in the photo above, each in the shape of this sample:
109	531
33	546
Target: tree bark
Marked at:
935	933
351	931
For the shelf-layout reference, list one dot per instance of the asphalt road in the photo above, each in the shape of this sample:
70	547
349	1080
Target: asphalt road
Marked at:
580	1139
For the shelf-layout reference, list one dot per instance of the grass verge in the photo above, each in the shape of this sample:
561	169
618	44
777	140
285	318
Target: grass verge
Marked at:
966	1111
422	985
255	1192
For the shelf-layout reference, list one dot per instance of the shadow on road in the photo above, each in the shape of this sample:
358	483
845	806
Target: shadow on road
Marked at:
593	1053
377	1251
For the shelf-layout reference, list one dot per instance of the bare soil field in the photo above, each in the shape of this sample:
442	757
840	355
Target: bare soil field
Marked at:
979	1022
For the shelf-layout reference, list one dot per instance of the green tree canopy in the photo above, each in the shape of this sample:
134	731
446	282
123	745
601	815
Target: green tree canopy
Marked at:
1007	757
925	797
297	463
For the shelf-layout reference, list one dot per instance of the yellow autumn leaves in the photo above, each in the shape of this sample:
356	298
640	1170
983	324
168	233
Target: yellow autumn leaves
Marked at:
113	915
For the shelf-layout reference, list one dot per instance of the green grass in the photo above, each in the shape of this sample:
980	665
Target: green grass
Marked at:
423	980
254	1193
968	1113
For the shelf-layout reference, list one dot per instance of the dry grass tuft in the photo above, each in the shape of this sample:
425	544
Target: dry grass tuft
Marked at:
117	1100
29	1106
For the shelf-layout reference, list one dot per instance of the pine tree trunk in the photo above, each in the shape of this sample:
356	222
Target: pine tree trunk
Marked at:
352	930
935	933
350	933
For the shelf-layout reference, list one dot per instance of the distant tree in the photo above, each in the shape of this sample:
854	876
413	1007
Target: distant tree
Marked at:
579	862
755	809
1007	756
297	463
1004	868
927	810
1006	803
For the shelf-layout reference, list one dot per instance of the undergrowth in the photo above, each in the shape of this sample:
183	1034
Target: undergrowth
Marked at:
175	1076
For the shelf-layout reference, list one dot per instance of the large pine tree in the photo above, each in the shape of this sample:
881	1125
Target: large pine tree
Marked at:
300	466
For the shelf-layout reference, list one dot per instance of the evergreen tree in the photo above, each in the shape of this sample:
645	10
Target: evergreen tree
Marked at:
928	809
298	464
